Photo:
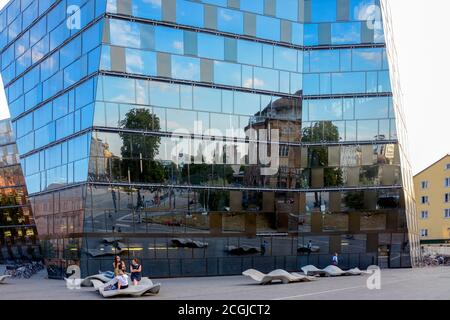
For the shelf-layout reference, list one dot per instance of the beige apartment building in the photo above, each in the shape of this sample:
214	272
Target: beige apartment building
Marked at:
432	187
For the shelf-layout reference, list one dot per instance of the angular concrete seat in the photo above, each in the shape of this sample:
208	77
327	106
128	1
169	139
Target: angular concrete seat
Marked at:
188	243
108	250
306	250
242	250
313	271
145	287
276	275
331	271
356	272
111	240
334	271
96	283
3	278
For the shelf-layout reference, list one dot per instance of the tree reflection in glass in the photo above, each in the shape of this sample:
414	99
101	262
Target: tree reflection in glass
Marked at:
141	146
318	156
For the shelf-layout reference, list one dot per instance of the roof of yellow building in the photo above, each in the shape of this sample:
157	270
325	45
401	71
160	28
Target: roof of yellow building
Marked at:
447	155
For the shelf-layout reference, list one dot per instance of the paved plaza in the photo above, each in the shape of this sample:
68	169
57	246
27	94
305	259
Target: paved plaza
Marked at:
425	283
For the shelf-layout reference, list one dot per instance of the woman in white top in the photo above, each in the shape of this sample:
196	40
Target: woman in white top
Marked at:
122	280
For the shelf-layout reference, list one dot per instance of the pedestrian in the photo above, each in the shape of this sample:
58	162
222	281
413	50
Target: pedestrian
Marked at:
263	247
136	271
309	247
335	259
118	265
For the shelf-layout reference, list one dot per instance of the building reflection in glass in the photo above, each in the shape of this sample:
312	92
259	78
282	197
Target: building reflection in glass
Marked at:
18	238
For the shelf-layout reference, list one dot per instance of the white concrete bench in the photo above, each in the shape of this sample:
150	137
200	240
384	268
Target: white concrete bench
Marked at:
3	278
276	275
331	271
146	286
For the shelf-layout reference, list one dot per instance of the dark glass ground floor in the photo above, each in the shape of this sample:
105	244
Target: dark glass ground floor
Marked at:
216	256
19	244
10	254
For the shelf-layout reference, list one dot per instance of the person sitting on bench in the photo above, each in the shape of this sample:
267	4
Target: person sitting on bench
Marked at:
122	280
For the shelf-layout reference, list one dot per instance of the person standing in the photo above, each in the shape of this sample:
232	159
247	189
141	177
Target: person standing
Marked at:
335	259
136	271
263	247
309	247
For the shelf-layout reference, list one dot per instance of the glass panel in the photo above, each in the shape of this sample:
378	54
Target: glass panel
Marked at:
323	10
268	28
140	62
169	40
249	52
147	9
186	68
190	13
256	6
210	46
346	33
227	73
206	99
287	9
230	21
285	59
354	82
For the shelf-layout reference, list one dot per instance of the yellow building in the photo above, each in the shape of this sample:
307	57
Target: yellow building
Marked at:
432	187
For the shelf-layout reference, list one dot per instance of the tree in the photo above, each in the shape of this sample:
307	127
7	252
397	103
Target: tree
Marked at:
354	200
139	150
332	177
318	156
207	172
321	131
214	200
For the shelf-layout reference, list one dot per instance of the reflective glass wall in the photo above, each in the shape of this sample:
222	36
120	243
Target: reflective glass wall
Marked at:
18	238
207	136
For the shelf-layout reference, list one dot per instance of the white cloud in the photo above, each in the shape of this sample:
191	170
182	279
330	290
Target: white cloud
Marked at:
226	17
153	3
259	83
124	34
134	59
178	45
248	83
369	55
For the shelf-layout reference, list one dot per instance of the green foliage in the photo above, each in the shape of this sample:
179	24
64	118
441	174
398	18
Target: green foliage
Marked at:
355	200
214	200
333	177
136	145
202	173
321	131
139	150
318	156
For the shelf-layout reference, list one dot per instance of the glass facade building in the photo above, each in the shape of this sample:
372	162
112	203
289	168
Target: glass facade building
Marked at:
207	137
18	239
